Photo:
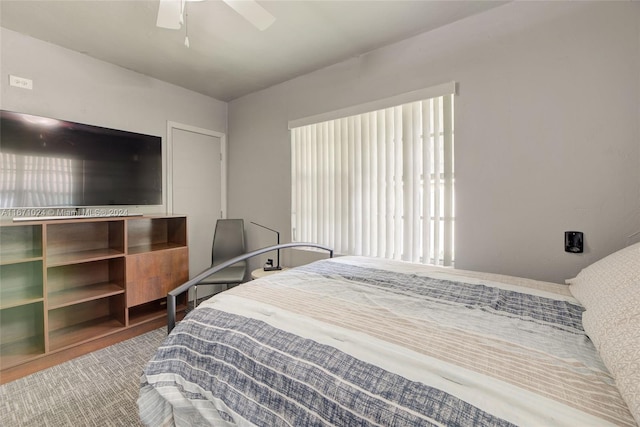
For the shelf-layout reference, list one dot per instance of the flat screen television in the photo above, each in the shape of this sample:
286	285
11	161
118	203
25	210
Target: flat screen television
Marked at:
46	162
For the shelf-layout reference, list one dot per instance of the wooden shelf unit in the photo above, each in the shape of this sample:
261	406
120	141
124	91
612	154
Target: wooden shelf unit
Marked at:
67	282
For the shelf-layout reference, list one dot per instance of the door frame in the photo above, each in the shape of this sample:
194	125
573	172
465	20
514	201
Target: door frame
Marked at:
223	162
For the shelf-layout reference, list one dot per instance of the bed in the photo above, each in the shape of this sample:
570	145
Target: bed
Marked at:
357	341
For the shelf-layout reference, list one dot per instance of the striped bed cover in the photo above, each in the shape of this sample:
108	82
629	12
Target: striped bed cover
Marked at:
356	341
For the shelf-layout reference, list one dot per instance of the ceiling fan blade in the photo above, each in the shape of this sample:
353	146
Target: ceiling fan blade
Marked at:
252	12
169	12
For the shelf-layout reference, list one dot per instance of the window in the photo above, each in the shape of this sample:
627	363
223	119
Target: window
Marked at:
378	183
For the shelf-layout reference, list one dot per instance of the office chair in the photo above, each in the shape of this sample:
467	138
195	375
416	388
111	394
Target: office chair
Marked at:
228	242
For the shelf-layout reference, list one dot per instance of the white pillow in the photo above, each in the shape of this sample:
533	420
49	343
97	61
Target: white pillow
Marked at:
606	276
612	312
620	352
614	327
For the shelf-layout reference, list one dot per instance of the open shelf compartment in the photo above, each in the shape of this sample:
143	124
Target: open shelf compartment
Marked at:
74	324
20	284
77	283
20	243
75	242
154	310
22	335
154	234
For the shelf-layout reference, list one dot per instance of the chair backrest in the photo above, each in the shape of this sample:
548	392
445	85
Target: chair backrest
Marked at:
228	240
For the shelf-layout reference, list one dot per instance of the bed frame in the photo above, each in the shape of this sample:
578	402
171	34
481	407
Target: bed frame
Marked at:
171	296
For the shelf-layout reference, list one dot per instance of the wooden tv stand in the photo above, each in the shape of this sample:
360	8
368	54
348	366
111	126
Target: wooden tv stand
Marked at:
69	287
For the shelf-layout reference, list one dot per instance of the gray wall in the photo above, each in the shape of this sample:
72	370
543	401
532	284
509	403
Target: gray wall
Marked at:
71	86
547	135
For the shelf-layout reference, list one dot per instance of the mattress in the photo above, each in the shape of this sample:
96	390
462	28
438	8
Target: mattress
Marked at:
362	341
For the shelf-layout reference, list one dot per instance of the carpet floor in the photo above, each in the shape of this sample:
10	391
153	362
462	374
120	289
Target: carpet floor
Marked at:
97	389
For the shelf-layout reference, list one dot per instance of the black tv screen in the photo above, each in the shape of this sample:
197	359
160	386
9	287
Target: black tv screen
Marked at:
47	162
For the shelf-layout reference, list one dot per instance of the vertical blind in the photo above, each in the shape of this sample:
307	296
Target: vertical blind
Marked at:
379	183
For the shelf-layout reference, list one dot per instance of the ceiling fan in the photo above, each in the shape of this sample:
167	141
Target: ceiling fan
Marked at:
171	13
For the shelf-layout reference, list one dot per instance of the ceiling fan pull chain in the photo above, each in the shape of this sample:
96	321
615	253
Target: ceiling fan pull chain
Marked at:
186	25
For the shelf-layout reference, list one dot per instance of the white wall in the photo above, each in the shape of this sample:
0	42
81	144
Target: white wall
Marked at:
71	86
547	135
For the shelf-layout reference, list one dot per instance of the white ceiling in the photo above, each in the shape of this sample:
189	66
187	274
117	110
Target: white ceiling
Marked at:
228	57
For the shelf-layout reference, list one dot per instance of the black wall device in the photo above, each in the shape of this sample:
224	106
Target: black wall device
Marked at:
573	242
